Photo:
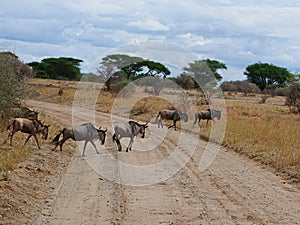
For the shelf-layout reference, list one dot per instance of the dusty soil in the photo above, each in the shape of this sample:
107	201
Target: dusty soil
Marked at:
233	190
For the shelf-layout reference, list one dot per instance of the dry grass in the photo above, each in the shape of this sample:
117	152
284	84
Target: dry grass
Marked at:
264	132
268	133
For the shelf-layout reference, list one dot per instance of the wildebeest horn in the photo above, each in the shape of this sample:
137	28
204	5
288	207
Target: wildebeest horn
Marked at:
103	130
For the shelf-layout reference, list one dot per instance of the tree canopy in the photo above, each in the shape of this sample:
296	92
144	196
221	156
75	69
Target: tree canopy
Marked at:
204	72
215	65
57	68
121	69
145	68
266	75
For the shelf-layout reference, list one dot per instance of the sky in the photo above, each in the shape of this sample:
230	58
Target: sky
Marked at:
237	33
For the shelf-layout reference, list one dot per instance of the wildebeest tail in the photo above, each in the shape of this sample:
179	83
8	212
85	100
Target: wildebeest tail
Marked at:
9	125
114	137
157	117
56	139
196	118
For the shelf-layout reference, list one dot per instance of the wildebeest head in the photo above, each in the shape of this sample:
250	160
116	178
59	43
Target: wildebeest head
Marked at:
184	116
102	135
216	113
44	130
143	129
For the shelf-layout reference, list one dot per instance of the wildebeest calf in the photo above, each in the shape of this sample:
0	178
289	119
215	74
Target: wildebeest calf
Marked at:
31	127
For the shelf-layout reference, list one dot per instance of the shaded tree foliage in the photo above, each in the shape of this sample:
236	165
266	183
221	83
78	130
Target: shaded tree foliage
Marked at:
13	76
240	86
62	68
185	81
145	68
268	76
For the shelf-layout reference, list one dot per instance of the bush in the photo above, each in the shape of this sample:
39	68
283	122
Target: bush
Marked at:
240	86
13	78
293	98
185	81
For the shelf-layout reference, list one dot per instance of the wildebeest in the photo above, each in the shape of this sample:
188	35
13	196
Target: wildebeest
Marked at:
128	129
174	115
24	112
31	127
84	132
208	114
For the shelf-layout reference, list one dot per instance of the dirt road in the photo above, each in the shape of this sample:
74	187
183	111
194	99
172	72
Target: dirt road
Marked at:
233	190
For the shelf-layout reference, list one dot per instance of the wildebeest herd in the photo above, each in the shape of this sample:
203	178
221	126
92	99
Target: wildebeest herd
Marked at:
89	133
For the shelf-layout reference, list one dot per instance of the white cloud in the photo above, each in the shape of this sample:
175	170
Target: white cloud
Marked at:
191	40
149	25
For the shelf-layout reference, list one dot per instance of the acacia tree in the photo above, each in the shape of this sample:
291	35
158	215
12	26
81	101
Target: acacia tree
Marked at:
268	76
122	69
57	68
110	67
205	73
148	68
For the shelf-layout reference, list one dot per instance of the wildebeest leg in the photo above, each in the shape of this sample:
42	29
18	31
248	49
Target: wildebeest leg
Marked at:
174	125
27	139
130	144
207	122
116	138
85	143
119	144
55	146
62	141
160	124
195	121
60	144
10	135
94	146
37	142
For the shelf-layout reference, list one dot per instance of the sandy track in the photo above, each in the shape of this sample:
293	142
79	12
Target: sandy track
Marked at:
233	190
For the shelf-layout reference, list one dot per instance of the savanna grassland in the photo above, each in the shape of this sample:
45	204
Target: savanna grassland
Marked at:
268	132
